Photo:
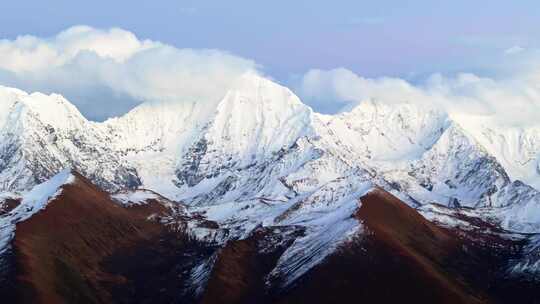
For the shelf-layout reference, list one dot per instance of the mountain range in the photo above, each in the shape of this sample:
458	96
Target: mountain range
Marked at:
257	198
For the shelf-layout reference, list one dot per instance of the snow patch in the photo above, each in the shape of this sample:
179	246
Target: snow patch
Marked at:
132	198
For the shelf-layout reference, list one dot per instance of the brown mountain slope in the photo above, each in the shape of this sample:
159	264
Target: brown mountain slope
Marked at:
400	257
63	252
239	272
86	248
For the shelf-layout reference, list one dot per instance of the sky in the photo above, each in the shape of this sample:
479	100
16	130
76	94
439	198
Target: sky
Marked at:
289	41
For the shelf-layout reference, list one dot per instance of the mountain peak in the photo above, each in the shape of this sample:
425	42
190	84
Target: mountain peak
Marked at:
255	88
19	107
260	116
251	78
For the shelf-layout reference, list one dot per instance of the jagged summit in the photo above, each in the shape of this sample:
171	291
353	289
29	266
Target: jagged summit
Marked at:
260	140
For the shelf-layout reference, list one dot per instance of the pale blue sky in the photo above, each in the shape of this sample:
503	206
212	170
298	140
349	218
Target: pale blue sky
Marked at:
372	38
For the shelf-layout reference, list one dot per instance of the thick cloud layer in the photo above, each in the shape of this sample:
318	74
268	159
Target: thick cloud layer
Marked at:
512	99
106	72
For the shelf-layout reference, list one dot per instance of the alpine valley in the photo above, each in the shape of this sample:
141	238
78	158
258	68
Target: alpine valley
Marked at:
259	199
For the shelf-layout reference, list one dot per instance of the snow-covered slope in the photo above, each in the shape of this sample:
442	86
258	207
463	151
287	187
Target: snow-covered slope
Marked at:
43	134
256	118
261	156
459	169
382	132
257	122
516	148
152	136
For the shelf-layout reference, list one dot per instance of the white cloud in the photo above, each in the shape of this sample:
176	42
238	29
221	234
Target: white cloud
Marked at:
106	72
514	50
511	100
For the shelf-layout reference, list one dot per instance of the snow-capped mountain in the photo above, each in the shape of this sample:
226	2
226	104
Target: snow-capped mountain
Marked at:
262	158
262	141
41	135
516	147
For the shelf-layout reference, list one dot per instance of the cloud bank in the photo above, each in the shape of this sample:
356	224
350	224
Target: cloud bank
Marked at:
512	99
107	72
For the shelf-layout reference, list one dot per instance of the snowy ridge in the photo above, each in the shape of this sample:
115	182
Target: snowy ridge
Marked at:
256	123
133	198
517	149
261	157
42	134
387	132
325	233
275	119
